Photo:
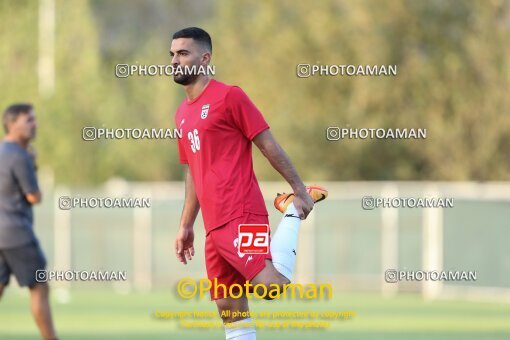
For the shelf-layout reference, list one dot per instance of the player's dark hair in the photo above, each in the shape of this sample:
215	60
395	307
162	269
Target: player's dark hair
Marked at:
197	34
12	113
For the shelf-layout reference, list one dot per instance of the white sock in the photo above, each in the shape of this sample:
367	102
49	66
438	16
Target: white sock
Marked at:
236	332
284	242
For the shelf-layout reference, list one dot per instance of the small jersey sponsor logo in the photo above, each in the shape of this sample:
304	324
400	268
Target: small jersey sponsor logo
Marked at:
205	111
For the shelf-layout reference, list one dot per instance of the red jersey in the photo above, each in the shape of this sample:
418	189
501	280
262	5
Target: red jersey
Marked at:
217	132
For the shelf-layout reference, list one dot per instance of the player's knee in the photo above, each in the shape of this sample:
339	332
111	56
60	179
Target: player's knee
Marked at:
266	295
1	290
278	282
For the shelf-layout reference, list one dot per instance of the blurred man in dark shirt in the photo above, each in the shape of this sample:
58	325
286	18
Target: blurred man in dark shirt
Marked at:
20	254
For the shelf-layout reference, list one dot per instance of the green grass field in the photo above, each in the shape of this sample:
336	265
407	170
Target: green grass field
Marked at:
103	314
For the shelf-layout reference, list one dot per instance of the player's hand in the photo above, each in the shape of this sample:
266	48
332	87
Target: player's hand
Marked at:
303	203
184	244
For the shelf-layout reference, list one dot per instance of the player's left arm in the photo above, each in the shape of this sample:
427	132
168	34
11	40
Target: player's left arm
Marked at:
281	163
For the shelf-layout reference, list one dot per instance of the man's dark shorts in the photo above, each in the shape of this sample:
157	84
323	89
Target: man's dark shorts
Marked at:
22	262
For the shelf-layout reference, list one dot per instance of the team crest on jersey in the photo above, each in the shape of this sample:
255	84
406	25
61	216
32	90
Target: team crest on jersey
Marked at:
205	111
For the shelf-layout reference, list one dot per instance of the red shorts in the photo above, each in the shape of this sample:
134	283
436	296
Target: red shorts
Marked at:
223	261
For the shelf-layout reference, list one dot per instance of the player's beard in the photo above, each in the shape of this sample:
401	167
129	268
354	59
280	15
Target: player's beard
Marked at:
183	76
185	79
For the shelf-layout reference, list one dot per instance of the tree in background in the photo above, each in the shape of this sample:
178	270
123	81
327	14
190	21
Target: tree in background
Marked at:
453	74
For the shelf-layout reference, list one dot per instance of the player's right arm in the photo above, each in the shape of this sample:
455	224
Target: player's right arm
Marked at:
184	241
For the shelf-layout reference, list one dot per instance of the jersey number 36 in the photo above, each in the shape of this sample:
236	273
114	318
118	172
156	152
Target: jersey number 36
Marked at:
195	141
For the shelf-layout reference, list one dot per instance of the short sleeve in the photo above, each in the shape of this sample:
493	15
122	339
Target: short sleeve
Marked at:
244	113
180	146
24	172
